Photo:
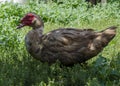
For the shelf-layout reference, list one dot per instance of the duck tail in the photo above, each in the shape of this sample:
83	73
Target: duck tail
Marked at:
110	30
107	35
104	37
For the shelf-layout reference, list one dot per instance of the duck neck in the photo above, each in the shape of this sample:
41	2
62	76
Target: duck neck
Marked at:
39	31
33	41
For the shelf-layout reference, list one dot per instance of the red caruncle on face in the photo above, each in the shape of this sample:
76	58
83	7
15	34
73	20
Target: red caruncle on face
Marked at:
27	20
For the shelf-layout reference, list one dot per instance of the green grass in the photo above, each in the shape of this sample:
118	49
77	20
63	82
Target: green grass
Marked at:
18	68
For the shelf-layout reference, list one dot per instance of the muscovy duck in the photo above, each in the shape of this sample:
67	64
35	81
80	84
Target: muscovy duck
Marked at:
68	45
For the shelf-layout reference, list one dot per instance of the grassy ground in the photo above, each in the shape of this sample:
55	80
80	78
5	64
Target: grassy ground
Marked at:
18	68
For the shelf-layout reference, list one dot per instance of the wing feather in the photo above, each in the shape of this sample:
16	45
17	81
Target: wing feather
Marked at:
68	45
68	39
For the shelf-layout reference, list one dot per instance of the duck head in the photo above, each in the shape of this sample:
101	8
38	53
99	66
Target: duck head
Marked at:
32	20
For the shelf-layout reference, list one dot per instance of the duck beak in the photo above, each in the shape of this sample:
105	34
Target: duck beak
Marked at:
20	26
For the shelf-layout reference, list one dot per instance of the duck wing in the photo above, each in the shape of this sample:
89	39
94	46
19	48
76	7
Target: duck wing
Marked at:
68	39
68	45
